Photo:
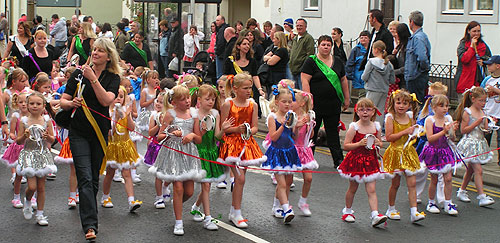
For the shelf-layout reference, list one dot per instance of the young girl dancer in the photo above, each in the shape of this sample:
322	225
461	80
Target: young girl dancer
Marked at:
65	157
148	95
235	150
206	98
302	140
438	154
221	85
135	135
121	153
12	153
16	82
282	154
180	129
35	160
473	145
400	159
162	196
361	164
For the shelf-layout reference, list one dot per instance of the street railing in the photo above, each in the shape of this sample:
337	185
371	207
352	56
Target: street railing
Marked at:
445	73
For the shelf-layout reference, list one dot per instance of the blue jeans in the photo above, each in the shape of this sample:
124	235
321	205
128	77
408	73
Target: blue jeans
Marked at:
288	72
298	82
219	65
418	86
87	159
60	44
165	61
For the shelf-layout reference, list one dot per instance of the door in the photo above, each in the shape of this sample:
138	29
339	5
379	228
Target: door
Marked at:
388	10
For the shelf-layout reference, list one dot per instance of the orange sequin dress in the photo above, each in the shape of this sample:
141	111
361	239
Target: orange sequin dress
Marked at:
65	156
235	150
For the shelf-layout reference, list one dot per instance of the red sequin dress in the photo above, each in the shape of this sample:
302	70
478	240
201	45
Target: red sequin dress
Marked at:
361	164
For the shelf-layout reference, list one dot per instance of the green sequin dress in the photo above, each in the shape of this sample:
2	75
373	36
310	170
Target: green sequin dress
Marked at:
208	149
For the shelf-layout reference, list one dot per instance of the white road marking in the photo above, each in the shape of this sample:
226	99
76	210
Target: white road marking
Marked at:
241	233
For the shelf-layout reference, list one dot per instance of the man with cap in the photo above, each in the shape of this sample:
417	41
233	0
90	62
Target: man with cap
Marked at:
175	44
492	85
302	47
288	26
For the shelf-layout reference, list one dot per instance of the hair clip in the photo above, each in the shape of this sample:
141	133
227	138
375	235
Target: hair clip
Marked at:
230	78
414	98
428	96
194	90
395	92
275	90
292	91
283	83
469	90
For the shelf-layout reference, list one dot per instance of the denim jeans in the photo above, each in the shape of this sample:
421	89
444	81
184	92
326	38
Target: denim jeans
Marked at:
165	61
298	82
419	86
60	44
87	159
219	66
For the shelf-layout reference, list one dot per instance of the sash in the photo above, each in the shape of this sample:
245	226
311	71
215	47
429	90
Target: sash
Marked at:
330	75
20	47
236	67
79	47
141	52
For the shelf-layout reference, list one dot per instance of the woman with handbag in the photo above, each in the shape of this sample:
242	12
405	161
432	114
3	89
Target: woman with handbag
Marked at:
82	43
137	53
89	92
323	75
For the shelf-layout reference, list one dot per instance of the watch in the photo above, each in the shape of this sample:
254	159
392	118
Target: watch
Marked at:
5	123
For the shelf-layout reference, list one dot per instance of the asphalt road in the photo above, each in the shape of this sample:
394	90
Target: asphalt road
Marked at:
326	202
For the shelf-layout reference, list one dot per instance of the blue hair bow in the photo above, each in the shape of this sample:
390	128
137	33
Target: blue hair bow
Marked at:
293	92
275	90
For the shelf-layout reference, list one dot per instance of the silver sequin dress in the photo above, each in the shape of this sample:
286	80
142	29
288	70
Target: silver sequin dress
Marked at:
171	165
473	144
35	159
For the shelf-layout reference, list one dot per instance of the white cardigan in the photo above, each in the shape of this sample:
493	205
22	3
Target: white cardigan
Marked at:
190	41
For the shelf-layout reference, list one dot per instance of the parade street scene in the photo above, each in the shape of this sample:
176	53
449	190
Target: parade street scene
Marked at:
249	120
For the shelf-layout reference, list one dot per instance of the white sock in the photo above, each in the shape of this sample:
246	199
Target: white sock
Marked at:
374	213
432	201
158	197
413	210
347	210
117	173
130	199
447	202
231	179
27	202
285	207
39	212
133	172
105	196
208	218
165	190
237	212
34	195
481	196
72	194
302	200
178	222
392	208
13	175
194	207
17	196
231	211
276	202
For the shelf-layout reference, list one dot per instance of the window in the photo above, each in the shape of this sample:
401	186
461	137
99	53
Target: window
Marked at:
464	11
311	8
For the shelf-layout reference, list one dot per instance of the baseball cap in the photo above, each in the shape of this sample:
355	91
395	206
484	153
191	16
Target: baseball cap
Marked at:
494	59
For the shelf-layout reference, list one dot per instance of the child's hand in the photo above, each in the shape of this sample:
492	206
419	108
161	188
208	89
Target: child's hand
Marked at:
26	133
302	121
228	123
378	142
449	126
479	122
188	138
242	128
45	135
362	142
204	126
12	136
409	130
177	133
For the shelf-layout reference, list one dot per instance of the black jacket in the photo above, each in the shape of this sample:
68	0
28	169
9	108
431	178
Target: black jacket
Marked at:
229	47
176	43
383	35
220	42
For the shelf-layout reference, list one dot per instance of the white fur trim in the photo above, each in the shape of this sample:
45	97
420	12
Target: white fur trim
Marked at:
30	172
410	114
419	171
61	160
15	114
24	120
378	126
195	175
447	168
265	144
214	112
387	116
290	168
354	125
125	165
273	115
218	179
362	178
467	109
194	112
312	165
46	118
237	161
172	113
8	164
476	160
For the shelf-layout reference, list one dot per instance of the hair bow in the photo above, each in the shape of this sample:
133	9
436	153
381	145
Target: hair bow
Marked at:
230	78
414	98
275	90
428	96
213	86
469	90
194	90
395	92
181	78
292	91
283	83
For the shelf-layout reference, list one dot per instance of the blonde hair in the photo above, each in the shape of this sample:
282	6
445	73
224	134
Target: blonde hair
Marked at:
108	46
380	45
16	98
125	97
281	91
393	23
288	82
176	93
188	79
235	82
148	73
474	92
282	39
88	31
438	87
403	95
202	91
306	97
15	74
39	32
365	103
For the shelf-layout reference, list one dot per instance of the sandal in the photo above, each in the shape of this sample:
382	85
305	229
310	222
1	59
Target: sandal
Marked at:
90	235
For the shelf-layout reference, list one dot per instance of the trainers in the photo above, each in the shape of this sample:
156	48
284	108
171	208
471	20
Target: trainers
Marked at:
210	224
23	180
27	210
134	205
71	202
378	219
277	212
222	185
106	203
451	209
432	208
393	214
136	179
42	220
34	204
417	217
12	179
485	200
197	215
292	186
77	198
419	201
16	203
238	221
288	216
167	198
348	217
179	229
305	209
117	177
51	176
159	204
462	195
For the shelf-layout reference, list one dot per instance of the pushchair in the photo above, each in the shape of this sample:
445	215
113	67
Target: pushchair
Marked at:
204	73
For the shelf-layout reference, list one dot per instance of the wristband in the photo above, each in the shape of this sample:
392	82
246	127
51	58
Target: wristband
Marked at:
95	81
5	123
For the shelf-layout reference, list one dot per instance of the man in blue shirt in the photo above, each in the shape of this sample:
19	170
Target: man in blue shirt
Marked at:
418	56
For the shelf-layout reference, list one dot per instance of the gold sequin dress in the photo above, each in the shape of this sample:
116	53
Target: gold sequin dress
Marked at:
121	152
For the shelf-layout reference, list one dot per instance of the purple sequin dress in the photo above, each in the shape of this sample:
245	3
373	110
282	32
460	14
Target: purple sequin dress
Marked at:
439	156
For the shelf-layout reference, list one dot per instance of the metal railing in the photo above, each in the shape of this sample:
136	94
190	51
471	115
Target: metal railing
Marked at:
445	73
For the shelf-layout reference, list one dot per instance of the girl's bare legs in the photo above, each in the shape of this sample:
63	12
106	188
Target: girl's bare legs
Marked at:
372	195
182	192
393	190
239	183
411	183
106	183
349	195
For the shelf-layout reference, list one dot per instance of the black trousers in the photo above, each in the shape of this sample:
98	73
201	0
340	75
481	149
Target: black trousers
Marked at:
331	122
87	158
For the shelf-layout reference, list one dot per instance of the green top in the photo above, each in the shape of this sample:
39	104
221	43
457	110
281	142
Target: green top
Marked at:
301	49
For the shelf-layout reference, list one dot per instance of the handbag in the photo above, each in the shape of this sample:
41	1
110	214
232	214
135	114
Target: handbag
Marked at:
63	117
174	64
264	73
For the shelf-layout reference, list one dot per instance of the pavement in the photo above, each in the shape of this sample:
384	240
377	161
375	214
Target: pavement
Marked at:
491	170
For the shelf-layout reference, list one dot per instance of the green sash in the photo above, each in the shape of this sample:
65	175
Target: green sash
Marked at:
79	47
141	52
331	76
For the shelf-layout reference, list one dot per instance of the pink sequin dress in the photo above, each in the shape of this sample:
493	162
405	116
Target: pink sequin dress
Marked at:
304	150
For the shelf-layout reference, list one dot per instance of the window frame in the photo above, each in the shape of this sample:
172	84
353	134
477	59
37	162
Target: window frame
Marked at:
469	13
308	11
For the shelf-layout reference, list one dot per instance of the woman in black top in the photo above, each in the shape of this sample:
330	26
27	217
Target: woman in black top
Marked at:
40	54
278	58
327	103
101	87
338	44
133	56
255	43
87	37
403	34
24	37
